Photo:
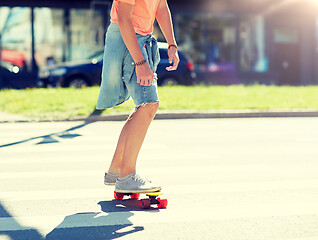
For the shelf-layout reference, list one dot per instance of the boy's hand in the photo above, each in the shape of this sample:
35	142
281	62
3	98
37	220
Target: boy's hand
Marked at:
144	74
173	55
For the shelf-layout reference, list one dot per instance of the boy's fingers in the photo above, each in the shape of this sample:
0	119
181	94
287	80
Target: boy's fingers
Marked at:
173	67
147	79
149	82
150	78
175	64
144	83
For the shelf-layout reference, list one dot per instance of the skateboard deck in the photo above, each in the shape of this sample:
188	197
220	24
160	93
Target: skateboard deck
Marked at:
146	202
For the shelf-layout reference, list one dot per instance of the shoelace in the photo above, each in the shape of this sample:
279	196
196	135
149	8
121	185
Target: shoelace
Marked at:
138	178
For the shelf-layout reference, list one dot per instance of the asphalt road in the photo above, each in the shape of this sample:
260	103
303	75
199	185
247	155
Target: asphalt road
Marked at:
239	179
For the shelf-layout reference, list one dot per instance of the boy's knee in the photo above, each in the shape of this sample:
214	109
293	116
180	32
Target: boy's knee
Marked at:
150	108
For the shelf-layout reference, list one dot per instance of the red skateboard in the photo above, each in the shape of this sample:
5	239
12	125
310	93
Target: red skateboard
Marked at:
146	202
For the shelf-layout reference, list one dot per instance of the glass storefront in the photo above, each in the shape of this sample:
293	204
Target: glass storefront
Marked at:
233	39
211	41
215	43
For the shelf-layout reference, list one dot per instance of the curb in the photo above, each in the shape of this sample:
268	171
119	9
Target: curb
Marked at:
184	115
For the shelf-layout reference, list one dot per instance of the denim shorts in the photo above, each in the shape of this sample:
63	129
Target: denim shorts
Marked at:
118	64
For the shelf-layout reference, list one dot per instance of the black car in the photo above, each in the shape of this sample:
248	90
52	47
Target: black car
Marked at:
12	76
88	72
73	74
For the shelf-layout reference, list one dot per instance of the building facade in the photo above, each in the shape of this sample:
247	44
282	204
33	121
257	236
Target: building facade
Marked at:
229	41
244	41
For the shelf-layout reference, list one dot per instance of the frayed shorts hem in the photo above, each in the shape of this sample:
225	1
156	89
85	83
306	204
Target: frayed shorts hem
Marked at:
145	103
141	105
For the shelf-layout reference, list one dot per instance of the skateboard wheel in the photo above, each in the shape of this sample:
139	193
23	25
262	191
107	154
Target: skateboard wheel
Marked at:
118	196
135	195
144	203
162	203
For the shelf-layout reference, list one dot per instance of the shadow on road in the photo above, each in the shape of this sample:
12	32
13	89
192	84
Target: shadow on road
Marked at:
51	138
123	206
91	226
111	223
11	229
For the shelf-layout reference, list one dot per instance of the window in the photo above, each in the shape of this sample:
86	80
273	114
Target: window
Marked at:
49	36
87	33
208	39
285	35
252	50
67	35
15	29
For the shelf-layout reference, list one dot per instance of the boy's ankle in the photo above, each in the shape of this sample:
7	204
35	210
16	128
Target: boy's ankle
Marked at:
125	173
112	172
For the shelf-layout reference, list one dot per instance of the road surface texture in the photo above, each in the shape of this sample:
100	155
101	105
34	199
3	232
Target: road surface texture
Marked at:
225	179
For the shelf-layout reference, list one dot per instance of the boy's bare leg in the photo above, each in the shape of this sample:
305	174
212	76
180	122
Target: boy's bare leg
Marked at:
131	139
115	165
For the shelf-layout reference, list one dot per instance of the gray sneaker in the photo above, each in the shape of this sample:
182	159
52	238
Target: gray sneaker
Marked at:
110	178
133	183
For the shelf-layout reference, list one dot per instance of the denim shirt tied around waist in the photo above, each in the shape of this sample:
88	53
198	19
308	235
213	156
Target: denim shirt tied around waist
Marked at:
118	66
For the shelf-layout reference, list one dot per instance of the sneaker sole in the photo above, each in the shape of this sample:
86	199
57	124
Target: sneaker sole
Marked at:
109	184
139	191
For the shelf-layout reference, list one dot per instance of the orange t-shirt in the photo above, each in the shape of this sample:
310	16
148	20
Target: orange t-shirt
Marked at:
143	15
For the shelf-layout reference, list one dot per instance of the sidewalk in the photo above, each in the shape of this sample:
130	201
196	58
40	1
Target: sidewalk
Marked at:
176	114
7	117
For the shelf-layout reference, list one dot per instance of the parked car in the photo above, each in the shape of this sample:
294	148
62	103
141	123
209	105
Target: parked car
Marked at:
5	72
73	74
88	72
14	57
11	76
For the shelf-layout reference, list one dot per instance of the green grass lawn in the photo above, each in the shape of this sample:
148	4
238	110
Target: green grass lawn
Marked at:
58	103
